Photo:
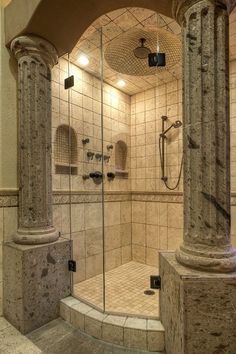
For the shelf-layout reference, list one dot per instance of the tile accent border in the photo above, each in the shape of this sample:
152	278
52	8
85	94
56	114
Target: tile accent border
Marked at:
131	332
9	197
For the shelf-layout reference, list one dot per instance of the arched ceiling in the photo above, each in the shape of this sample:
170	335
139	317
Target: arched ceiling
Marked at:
114	26
63	22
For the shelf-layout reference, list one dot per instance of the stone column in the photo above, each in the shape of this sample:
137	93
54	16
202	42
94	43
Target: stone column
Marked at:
206	135
35	58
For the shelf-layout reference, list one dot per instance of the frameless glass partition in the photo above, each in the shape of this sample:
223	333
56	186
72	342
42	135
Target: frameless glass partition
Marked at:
121	105
86	177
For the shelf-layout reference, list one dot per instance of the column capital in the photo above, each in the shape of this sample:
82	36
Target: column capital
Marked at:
35	47
179	7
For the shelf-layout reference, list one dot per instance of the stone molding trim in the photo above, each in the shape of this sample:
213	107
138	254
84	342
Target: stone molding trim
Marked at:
158	197
9	198
89	197
35	47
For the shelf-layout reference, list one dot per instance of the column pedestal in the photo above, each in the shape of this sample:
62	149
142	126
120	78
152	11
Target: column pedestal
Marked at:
35	279
197	309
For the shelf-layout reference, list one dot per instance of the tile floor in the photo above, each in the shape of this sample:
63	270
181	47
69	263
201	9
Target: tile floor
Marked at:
57	337
124	290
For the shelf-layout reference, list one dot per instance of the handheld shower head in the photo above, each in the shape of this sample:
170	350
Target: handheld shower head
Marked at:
177	124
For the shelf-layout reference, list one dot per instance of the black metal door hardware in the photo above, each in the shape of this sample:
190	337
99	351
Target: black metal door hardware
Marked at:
155	282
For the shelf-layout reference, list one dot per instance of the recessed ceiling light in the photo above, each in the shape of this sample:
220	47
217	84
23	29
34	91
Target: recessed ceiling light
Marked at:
121	83
83	60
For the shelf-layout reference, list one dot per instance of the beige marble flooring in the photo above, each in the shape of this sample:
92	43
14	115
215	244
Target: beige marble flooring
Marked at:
56	337
124	290
13	342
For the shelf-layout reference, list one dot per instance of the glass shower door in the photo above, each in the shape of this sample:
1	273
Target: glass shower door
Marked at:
86	184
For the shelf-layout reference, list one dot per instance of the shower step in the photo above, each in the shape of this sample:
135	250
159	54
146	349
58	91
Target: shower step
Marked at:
126	331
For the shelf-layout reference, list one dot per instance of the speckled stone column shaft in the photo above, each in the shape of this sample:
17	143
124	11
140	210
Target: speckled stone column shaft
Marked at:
206	136
35	58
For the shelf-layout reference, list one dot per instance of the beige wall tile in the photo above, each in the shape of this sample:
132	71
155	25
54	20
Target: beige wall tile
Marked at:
175	215
77	217
175	238
112	213
94	265
113	334
112	259
9	223
152	236
134	338
152	257
125	212
139	234
125	233
112	237
138	212
94	241
139	253
78	245
152	213
126	254
93	215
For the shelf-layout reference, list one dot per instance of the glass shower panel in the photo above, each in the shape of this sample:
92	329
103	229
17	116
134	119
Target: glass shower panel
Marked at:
117	183
86	181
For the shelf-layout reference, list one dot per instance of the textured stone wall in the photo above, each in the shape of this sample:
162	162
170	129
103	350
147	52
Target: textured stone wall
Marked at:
147	108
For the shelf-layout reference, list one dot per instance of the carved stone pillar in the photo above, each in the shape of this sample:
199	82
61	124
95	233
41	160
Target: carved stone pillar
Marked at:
35	58
206	135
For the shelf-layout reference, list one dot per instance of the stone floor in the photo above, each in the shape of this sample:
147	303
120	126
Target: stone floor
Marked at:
124	290
57	337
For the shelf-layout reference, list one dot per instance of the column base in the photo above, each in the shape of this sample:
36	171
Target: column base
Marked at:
36	237
209	261
35	279
197	309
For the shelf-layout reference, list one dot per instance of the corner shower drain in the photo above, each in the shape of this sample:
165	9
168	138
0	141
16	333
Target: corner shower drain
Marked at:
149	292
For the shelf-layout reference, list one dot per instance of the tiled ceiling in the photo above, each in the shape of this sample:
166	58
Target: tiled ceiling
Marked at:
120	21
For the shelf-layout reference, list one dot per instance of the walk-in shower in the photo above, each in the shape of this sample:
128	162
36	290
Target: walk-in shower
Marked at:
116	217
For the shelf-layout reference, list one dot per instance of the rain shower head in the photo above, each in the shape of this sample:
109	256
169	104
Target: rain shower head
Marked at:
142	52
177	124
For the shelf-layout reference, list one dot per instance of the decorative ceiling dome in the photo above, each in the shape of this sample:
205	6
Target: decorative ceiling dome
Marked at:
121	53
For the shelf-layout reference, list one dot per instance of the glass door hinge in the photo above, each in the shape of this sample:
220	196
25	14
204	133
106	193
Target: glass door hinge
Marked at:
69	82
72	265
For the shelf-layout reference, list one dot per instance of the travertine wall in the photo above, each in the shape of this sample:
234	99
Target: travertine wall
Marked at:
147	108
81	109
84	110
156	225
87	232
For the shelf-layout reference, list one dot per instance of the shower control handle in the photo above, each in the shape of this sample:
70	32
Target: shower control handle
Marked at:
96	175
111	175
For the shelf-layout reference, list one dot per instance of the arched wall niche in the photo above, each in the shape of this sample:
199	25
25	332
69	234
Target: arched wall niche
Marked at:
70	18
122	156
65	150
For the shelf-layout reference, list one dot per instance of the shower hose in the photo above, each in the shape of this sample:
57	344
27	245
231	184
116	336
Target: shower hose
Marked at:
162	168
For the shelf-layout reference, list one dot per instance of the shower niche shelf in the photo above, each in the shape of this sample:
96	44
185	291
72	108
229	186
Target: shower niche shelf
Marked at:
66	155
121	159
